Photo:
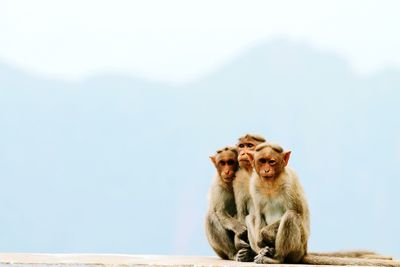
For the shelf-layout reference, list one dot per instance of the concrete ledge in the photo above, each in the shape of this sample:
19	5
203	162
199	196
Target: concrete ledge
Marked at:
82	260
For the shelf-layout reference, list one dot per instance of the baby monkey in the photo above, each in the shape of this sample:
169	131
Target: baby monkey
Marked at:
221	224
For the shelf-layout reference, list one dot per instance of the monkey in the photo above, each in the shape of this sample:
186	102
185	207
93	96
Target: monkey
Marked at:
279	205
280	227
221	224
243	199
246	144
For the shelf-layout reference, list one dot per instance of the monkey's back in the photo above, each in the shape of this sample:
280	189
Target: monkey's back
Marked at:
298	199
221	199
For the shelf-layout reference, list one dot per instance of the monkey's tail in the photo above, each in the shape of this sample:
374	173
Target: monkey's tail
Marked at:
366	254
326	260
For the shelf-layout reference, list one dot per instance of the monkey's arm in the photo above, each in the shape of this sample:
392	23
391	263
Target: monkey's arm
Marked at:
268	233
231	223
259	224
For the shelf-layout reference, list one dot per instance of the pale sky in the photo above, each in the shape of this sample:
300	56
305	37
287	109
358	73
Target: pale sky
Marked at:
180	41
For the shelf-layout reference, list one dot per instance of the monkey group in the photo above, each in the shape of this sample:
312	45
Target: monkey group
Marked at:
258	210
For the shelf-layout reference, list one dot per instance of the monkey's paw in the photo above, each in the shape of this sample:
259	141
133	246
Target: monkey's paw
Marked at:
267	251
261	259
239	243
244	255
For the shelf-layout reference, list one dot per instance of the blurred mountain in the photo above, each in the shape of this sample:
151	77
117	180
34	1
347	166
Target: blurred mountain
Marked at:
118	164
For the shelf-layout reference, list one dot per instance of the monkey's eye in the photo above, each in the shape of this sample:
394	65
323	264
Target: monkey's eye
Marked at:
272	162
262	161
231	162
241	145
222	163
250	145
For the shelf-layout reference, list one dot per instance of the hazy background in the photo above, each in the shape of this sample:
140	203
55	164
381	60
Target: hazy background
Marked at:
110	109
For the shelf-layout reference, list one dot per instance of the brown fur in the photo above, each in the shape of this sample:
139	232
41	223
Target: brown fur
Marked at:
241	183
221	225
280	227
244	203
325	260
366	254
255	137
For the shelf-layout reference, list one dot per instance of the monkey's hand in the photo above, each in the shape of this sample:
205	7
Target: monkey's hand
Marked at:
265	256
240	243
244	255
262	243
267	251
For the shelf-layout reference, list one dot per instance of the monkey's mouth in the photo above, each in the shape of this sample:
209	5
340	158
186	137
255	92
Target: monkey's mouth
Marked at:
267	177
243	157
244	161
228	179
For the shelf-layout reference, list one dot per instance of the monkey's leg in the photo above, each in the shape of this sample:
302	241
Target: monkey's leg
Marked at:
262	259
267	242
265	254
252	233
268	234
291	243
220	239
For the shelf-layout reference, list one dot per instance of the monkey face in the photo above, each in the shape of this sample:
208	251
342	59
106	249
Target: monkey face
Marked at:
267	166
226	164
245	146
268	163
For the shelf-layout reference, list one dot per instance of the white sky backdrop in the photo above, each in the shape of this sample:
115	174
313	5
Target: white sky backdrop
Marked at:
179	41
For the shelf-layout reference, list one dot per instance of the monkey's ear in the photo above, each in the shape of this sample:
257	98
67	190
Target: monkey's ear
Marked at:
213	160
286	157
